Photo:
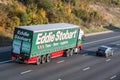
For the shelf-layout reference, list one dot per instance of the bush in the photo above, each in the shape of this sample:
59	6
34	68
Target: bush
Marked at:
23	18
45	4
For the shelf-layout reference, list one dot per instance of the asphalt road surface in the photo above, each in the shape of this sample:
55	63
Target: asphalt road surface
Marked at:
83	66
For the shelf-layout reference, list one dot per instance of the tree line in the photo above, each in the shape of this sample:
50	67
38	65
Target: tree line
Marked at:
31	12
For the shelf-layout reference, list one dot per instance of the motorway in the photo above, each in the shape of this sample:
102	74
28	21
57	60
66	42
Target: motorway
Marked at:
83	66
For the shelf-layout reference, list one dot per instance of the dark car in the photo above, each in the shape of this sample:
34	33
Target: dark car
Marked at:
104	51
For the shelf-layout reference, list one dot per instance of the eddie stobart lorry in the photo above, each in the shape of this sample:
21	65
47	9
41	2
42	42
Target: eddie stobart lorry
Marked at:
39	43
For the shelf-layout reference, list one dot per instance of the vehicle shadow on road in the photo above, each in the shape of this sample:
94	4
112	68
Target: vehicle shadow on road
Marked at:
5	41
88	52
112	27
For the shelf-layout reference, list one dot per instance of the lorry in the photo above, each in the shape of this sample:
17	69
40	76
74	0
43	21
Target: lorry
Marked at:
40	43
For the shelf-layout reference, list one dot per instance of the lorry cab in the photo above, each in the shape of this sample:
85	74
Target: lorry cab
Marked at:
81	35
80	40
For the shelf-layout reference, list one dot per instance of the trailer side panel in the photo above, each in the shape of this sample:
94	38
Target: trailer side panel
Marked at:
54	40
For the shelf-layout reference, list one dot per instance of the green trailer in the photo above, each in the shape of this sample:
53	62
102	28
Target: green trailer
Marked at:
39	43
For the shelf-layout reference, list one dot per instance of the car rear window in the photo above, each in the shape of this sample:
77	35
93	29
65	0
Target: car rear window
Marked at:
102	48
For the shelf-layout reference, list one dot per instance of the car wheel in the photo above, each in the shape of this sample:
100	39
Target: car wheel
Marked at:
97	54
112	53
107	55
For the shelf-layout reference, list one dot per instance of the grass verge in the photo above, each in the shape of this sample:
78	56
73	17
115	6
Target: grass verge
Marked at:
5	39
100	29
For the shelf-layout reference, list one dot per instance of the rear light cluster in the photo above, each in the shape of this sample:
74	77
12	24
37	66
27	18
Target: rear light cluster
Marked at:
13	58
25	61
20	57
79	46
23	58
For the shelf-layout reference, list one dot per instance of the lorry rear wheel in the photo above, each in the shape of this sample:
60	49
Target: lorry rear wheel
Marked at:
71	52
38	60
48	58
67	54
78	51
43	60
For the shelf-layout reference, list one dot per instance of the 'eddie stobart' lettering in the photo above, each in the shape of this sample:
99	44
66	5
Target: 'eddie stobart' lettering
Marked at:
22	33
21	36
50	37
45	38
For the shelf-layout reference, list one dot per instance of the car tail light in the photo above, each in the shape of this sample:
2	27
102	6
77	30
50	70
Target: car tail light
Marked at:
25	61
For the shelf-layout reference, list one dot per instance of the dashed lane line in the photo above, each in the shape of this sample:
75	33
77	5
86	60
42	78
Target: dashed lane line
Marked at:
108	60
113	77
5	61
26	72
86	68
60	61
84	54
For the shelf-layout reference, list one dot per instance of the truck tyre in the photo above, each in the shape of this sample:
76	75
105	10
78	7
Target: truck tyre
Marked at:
43	59
78	51
48	58
71	52
38	60
67	54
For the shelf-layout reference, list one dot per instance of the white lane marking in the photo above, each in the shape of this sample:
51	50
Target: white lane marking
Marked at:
5	61
101	40
60	61
117	44
108	60
26	72
59	79
113	77
84	54
86	68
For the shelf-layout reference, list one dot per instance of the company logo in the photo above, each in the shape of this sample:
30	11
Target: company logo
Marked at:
50	37
22	35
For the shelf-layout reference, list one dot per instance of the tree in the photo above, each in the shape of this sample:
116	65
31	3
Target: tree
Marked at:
3	17
12	22
32	18
45	4
23	18
42	16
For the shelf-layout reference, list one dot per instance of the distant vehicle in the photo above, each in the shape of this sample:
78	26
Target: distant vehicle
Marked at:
104	51
39	43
